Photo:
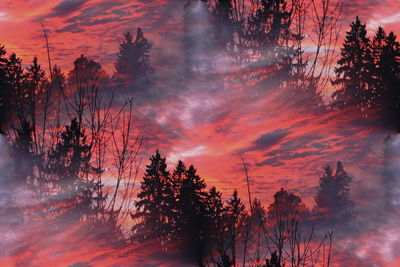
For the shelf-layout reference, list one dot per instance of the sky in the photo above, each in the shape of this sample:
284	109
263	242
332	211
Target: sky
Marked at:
203	128
223	116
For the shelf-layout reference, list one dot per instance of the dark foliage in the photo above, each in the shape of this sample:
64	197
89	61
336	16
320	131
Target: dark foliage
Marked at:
133	68
333	203
368	74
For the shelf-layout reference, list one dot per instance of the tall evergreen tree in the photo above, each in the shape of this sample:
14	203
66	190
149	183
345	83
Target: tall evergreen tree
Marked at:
133	68
192	207
68	173
58	81
388	99
35	88
236	218
22	155
333	203
216	236
268	27
377	44
153	207
14	87
268	38
354	70
5	91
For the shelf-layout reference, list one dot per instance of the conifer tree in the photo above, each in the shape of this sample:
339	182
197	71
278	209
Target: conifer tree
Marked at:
22	155
68	173
216	236
269	39
354	70
333	203
15	77
192	207
236	217
5	91
389	74
153	206
133	68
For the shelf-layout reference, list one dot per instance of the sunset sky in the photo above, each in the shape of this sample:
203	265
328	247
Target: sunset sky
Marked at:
216	120
204	127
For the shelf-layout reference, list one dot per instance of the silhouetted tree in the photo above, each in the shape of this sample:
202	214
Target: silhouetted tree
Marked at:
86	75
269	40
216	236
192	219
386	76
153	207
274	261
284	217
236	218
58	81
369	73
22	155
354	70
68	173
5	91
133	68
14	89
333	203
257	227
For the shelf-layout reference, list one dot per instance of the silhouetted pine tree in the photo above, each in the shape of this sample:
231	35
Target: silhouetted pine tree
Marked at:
22	155
236	218
354	71
15	78
5	91
177	179
133	68
269	27
388	97
216	236
269	39
192	207
258	221
377	45
67	173
153	207
35	88
58	81
333	203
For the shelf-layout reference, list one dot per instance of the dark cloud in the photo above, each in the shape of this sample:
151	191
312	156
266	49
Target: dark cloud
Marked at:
74	28
279	160
100	9
64	8
268	140
78	27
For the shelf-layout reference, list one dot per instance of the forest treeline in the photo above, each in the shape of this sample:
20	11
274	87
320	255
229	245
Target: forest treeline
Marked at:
175	207
65	132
